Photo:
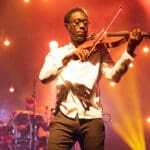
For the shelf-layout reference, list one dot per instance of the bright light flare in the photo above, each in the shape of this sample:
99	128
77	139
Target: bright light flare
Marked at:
112	84
26	1
11	89
53	44
145	49
131	65
6	42
127	119
148	120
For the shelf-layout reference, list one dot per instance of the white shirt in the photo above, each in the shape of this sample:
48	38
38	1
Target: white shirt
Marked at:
86	73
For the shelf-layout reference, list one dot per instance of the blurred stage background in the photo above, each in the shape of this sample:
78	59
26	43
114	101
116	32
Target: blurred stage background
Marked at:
30	26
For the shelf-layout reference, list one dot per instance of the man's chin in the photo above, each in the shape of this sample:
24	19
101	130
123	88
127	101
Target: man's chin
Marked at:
81	38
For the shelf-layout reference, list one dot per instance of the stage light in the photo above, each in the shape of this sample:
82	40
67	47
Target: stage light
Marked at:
145	49
112	83
53	44
131	65
148	119
26	1
11	89
6	42
128	112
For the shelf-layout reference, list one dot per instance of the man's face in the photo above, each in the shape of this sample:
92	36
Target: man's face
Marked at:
78	27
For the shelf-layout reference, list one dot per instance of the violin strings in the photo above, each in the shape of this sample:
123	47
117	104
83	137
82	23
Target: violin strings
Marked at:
103	31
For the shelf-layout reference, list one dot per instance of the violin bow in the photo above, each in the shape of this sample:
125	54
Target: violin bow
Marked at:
102	33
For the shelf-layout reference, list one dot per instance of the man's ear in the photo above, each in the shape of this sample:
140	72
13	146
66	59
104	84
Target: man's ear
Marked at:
67	25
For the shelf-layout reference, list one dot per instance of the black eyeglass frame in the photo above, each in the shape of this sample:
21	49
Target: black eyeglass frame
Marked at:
78	21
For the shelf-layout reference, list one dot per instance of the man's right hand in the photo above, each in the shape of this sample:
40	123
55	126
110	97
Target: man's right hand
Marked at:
79	54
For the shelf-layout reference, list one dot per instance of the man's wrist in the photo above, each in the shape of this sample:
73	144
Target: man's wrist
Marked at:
130	50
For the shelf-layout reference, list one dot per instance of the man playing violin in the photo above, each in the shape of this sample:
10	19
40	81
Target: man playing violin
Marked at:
78	115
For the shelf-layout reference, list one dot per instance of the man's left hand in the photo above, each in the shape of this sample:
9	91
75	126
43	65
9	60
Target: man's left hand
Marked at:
134	40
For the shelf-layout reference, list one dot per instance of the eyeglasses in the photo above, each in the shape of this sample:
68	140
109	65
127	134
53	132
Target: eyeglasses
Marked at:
78	21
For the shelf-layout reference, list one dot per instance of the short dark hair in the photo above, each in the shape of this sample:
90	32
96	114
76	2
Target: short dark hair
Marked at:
70	12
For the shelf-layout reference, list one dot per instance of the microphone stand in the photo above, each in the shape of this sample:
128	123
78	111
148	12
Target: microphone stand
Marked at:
33	143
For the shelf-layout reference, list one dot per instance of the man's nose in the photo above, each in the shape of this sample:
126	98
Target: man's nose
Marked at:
82	25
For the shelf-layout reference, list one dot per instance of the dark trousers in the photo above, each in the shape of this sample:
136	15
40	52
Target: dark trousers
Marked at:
64	132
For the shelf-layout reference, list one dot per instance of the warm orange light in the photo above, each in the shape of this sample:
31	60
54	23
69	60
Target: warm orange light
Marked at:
26	1
112	84
148	120
130	65
128	112
145	49
6	42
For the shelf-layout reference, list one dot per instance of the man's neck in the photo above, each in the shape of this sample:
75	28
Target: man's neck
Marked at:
77	43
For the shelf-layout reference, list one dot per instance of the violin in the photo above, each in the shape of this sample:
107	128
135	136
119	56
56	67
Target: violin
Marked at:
95	41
